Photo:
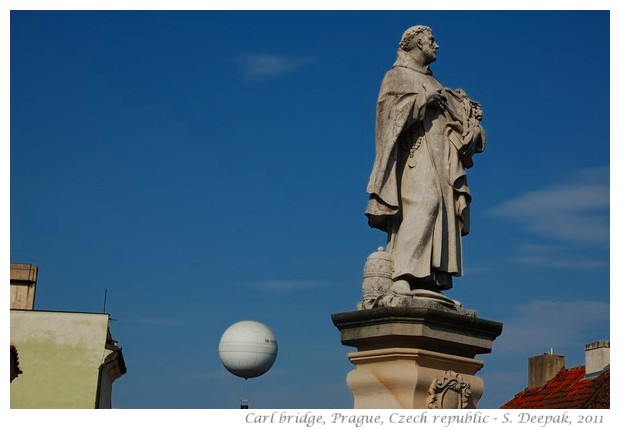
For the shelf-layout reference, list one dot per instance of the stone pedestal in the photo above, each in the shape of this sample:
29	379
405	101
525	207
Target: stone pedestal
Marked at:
416	357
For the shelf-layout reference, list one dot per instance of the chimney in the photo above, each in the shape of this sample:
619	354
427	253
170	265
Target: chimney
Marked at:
23	286
597	357
543	368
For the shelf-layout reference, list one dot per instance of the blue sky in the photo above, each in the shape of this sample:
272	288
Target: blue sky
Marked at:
207	167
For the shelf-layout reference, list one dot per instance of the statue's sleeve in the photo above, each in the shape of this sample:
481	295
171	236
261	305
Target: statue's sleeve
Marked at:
400	106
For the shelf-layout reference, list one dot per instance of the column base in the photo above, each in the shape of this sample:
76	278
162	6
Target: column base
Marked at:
416	357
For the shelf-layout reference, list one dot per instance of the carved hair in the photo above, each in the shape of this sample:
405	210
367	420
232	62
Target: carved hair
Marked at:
410	34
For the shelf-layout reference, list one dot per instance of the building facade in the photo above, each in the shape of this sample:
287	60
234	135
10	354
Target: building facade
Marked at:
66	359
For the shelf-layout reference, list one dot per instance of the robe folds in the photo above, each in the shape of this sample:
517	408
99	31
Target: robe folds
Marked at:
418	186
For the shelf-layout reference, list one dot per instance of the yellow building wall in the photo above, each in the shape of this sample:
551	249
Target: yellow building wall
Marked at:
60	355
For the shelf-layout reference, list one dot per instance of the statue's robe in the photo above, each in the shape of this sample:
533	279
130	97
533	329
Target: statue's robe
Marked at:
420	199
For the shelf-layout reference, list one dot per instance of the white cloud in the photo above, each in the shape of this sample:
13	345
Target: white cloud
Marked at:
289	285
557	256
261	65
576	211
539	325
159	321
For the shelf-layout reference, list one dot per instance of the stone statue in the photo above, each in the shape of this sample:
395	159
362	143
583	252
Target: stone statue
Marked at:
426	136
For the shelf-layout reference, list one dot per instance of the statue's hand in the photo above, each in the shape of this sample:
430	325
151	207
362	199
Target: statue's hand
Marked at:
436	98
473	141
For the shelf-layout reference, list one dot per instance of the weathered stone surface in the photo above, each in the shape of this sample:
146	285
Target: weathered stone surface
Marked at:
543	368
426	136
453	331
413	378
416	357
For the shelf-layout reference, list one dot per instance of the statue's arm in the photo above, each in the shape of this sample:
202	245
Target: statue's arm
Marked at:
402	102
411	106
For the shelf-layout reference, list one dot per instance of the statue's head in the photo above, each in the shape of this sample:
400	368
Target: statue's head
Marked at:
412	35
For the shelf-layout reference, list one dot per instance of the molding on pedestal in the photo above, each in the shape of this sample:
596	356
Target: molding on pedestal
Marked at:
419	327
421	356
416	357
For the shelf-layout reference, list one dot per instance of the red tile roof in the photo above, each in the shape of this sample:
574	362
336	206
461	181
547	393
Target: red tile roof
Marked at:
568	389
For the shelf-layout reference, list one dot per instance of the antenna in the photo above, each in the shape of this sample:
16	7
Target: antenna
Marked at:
105	300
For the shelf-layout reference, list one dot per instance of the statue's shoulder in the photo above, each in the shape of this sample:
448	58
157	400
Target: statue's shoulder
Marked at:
402	79
399	75
398	72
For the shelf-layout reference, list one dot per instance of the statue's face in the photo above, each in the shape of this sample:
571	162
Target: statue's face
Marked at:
428	46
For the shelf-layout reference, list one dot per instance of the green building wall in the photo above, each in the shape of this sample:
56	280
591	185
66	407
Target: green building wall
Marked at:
60	354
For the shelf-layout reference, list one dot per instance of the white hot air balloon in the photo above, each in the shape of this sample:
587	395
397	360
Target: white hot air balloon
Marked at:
248	349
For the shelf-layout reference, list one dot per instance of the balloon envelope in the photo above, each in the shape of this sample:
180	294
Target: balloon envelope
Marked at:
248	349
